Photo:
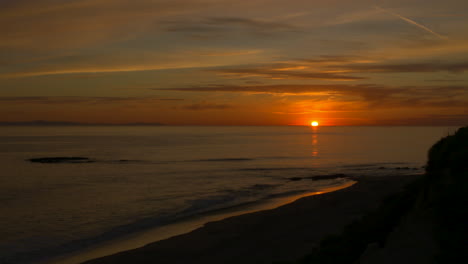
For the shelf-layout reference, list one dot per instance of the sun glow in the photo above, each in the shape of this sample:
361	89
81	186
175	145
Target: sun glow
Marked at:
314	123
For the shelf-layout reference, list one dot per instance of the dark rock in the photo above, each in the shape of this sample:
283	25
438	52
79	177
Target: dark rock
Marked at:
329	177
61	160
226	159
295	178
402	168
127	161
382	168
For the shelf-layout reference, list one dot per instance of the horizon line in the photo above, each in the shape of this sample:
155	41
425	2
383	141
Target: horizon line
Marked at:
71	123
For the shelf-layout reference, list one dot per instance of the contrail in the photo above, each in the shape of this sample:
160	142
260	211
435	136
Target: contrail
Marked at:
411	22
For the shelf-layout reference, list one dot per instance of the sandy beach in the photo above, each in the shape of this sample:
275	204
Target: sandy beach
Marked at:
286	233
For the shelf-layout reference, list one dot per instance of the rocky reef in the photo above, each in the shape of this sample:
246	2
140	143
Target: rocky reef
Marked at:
61	160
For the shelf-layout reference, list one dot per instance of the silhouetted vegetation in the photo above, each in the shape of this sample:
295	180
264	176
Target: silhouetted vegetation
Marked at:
447	192
373	228
450	153
442	191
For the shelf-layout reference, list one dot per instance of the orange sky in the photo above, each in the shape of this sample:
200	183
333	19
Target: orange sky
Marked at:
226	62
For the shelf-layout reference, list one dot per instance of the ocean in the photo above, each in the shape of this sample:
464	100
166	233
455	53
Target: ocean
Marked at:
143	177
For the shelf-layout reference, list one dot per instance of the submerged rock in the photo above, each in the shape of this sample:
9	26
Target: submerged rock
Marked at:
329	177
402	168
295	178
61	160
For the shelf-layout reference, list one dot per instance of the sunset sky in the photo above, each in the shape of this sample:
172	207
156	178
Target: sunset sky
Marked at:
235	62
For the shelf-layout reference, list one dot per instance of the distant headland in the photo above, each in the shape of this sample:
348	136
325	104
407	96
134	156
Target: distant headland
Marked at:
67	123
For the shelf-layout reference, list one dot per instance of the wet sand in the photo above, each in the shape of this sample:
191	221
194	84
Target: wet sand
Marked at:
283	234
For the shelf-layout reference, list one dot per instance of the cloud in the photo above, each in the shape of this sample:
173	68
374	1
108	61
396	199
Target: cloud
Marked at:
336	68
287	72
327	59
402	67
222	25
332	68
434	120
427	50
129	61
353	17
207	106
59	100
263	89
374	96
171	99
445	80
52	25
314	69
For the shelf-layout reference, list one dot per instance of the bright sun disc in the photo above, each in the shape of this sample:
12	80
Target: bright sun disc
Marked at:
314	123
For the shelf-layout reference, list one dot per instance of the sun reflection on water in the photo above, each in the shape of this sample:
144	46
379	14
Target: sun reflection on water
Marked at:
314	144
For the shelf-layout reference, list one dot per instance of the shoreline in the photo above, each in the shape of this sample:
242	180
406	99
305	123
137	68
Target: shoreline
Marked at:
183	226
285	233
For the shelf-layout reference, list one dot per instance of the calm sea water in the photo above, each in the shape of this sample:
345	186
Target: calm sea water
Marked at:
151	176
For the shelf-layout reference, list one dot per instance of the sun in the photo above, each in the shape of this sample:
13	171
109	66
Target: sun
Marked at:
314	123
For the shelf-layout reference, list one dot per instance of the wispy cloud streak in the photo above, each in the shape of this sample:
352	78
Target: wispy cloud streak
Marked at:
412	22
374	96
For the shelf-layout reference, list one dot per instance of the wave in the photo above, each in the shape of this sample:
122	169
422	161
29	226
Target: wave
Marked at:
225	200
382	166
275	169
370	165
222	160
77	159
